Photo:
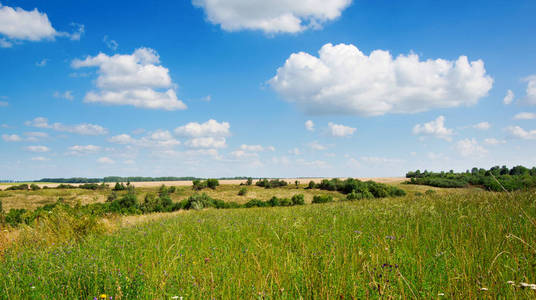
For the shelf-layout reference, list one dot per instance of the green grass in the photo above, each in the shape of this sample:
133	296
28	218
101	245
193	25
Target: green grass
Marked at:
452	243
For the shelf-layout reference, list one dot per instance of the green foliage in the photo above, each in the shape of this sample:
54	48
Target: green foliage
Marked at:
298	199
269	184
65	186
20	187
243	191
112	197
119	187
93	186
311	185
212	183
322	199
495	179
249	181
357	189
198	185
34	187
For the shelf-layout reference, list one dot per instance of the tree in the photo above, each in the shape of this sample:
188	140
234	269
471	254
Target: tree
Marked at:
250	181
311	185
212	183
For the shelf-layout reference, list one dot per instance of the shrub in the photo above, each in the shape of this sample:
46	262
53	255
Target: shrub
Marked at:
311	185
34	187
198	185
65	186
172	189
112	197
20	187
322	199
199	201
298	199
274	183
255	203
212	183
243	191
250	181
119	187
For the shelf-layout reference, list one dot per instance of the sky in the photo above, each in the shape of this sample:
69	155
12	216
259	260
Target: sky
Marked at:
282	88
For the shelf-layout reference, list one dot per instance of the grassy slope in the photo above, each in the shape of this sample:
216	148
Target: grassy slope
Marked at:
452	243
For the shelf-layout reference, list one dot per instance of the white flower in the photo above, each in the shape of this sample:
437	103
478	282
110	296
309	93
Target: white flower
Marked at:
483	289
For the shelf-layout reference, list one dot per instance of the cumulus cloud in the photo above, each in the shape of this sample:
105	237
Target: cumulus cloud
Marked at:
11	138
209	128
17	24
509	98
343	80
86	149
277	16
317	146
38	148
309	125
206	142
158	138
105	160
434	128
82	129
494	141
241	154
65	95
470	147
482	126
525	116
135	79
518	132
39	158
339	130
252	148
530	98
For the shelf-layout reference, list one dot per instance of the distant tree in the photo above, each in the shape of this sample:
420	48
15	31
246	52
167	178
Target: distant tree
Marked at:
250	181
34	187
212	183
297	183
311	185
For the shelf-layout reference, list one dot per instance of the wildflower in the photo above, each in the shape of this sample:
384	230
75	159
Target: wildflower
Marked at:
483	289
207	259
524	285
510	282
533	286
440	294
32	287
175	297
102	296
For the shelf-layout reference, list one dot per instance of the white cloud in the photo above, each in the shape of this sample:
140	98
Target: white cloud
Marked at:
509	98
530	98
309	125
42	62
518	132
482	126
135	79
87	149
316	146
209	128
11	138
65	95
252	148
470	147
494	141
17	24
39	158
158	138
34	136
276	16
434	128
340	130
380	160
344	80
111	44
525	116
241	154
206	142
294	151
38	148
105	160
82	129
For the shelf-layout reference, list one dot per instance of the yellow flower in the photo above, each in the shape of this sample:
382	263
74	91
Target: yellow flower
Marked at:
102	296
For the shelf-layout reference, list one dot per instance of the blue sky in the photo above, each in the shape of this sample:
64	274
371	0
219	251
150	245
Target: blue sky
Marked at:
226	88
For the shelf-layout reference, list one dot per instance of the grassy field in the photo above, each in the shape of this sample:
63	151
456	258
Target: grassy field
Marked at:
456	243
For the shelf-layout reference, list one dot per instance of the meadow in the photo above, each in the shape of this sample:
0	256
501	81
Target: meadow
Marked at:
430	243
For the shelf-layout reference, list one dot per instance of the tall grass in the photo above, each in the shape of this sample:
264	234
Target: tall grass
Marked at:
460	245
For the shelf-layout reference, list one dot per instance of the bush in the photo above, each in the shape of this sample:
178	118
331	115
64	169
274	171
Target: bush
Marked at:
34	187
119	187
20	187
243	191
250	181
172	189
255	203
199	201
274	183
212	183
298	199
322	199
311	185
112	197
65	186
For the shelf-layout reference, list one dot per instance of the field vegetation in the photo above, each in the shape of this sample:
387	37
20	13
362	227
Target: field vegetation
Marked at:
325	240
